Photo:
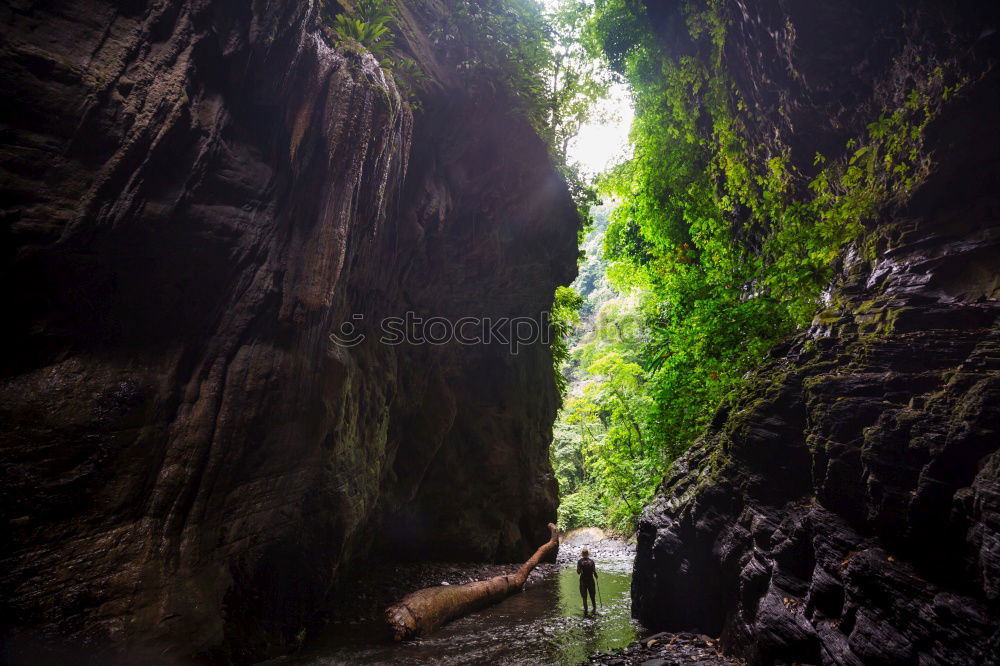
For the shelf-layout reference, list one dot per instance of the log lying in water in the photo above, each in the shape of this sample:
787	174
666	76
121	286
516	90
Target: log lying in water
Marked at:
425	610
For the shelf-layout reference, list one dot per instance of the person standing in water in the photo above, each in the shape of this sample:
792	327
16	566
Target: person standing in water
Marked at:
587	571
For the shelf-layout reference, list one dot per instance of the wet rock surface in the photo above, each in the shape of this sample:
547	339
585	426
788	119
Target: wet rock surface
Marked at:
845	508
197	195
667	649
660	649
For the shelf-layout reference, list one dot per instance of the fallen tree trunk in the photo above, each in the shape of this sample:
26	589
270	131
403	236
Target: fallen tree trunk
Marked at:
425	610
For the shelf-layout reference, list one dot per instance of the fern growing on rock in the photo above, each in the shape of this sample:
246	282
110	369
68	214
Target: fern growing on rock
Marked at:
369	27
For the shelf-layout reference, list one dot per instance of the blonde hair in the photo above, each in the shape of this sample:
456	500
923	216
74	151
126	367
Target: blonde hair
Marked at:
585	553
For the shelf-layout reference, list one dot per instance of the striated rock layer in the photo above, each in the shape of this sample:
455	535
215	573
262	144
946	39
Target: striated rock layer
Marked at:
846	508
196	195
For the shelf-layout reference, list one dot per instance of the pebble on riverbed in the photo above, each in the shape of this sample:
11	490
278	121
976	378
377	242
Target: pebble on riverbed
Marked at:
666	649
607	551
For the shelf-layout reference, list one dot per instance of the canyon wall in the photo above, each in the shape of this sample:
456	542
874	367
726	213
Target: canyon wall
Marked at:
845	508
197	194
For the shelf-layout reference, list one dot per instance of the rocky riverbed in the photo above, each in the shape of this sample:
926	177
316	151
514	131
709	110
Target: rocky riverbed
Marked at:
542	625
666	649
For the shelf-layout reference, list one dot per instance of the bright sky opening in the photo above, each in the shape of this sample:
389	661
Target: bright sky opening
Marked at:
602	144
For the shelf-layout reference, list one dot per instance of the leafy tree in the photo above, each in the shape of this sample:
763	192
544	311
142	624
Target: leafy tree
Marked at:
501	50
577	81
565	315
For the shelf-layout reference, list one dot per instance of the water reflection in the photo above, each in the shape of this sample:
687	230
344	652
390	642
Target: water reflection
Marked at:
542	625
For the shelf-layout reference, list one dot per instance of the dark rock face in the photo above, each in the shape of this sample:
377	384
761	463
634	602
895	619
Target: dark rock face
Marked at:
196	195
846	508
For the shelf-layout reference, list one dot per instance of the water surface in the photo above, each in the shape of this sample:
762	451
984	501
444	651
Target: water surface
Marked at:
544	624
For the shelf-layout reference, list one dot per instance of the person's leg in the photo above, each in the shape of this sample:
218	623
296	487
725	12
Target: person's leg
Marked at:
591	588
583	593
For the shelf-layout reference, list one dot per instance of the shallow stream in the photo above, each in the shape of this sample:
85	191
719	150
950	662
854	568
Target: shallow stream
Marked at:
544	624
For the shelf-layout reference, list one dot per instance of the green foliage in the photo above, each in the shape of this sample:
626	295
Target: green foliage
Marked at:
565	315
584	196
613	409
583	508
606	463
373	36
368	27
501	49
617	31
532	60
577	81
408	76
591	282
716	251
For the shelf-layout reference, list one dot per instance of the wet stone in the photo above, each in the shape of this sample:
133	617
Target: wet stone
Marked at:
666	649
